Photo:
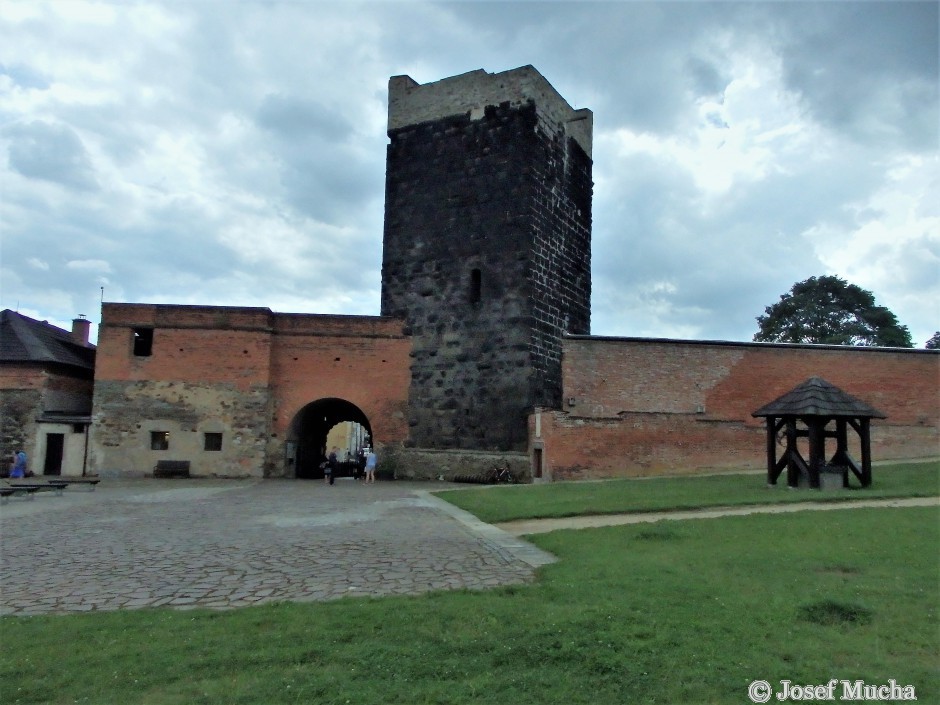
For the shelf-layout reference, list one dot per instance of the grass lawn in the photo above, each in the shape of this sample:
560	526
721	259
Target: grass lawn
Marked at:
496	504
676	612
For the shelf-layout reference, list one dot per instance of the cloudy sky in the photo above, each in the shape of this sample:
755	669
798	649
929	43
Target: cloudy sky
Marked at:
233	153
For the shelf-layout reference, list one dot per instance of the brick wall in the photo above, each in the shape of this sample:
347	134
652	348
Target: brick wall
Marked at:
243	372
363	360
195	344
638	407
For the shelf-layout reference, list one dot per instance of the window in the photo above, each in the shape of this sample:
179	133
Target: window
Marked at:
78	428
476	282
159	440
143	342
212	441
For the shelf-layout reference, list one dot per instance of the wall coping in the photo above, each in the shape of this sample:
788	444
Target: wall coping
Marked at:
747	344
265	320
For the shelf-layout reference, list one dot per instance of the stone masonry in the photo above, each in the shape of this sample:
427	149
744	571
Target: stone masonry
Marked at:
487	249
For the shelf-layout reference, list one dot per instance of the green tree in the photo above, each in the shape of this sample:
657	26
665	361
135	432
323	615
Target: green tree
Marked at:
934	342
830	311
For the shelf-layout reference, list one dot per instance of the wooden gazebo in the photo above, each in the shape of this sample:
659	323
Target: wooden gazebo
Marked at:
817	404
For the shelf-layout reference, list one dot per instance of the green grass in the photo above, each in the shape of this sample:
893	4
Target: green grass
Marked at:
563	499
675	612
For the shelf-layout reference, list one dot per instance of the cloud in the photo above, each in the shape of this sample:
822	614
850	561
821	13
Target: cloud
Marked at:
95	266
50	152
893	45
239	158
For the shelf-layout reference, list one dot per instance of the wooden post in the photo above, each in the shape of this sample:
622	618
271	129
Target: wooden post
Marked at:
817	449
842	450
771	451
793	471
842	442
865	436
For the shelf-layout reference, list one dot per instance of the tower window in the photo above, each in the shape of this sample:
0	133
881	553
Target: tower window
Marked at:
476	281
143	342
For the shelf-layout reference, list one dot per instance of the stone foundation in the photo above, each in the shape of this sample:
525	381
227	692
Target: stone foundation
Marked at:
428	464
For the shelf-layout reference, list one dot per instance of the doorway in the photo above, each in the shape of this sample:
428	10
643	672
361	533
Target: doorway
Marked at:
537	463
55	443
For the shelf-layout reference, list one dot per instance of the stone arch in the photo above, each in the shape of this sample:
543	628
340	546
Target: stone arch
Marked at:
307	435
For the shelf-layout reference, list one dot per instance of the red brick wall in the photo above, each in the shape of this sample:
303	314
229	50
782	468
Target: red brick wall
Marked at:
196	344
363	360
22	376
636	407
245	372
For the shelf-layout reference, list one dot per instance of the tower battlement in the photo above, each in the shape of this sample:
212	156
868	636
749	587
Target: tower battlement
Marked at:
412	103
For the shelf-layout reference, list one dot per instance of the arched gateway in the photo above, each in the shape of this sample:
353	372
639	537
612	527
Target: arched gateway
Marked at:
310	428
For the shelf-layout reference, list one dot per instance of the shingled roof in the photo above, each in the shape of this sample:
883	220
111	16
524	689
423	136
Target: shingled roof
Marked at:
23	339
817	397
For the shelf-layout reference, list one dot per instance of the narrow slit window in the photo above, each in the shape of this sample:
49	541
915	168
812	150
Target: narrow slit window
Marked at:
212	441
143	342
476	284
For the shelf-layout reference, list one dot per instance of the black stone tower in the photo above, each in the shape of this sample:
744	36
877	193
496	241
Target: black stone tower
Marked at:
487	249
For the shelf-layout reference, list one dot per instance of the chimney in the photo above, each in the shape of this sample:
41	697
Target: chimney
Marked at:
81	327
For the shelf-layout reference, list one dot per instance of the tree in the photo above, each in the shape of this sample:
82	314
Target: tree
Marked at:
830	311
934	342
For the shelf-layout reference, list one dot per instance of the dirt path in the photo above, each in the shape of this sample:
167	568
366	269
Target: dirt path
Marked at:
541	526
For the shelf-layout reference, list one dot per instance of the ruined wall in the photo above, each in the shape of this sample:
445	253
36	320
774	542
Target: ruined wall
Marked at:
126	415
240	372
207	371
638	407
486	249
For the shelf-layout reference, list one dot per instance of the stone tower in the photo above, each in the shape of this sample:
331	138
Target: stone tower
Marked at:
487	249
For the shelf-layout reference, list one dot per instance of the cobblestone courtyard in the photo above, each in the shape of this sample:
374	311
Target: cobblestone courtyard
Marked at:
230	543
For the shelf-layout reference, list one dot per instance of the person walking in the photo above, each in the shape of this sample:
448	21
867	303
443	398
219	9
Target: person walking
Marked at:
19	465
332	464
371	460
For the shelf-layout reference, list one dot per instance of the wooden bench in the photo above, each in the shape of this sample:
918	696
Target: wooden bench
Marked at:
91	481
171	468
29	489
56	484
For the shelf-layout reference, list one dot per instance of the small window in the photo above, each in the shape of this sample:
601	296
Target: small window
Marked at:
476	282
212	441
78	428
143	342
159	440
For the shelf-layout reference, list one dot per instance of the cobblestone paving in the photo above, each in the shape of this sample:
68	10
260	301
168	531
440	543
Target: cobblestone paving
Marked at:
228	543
